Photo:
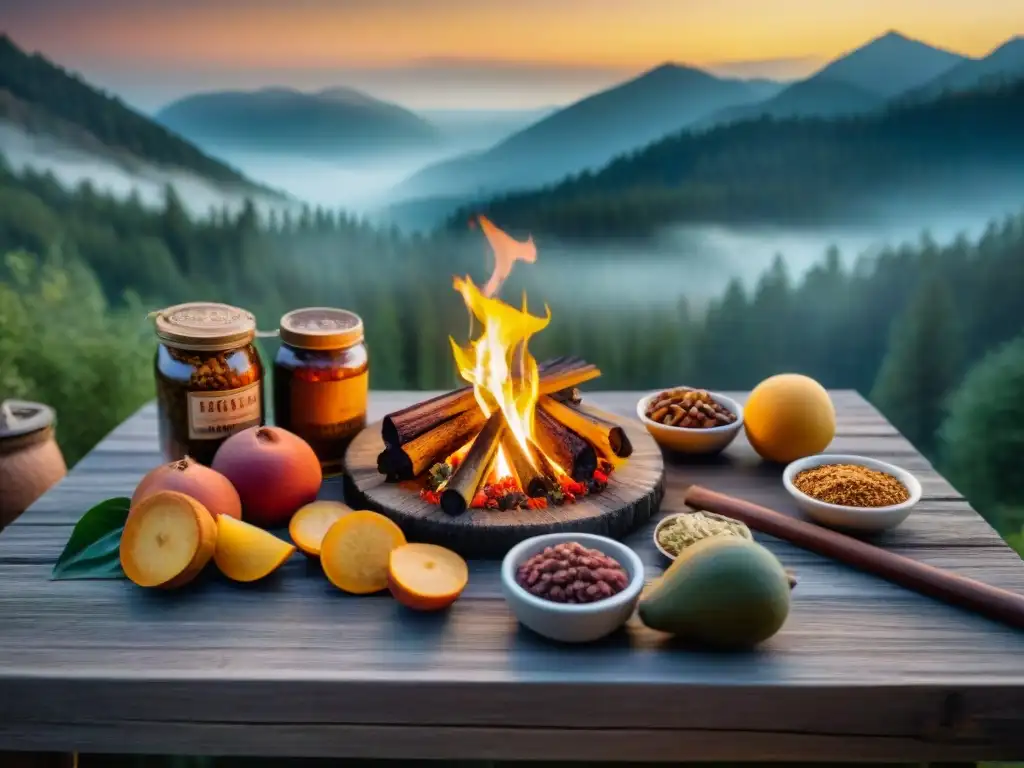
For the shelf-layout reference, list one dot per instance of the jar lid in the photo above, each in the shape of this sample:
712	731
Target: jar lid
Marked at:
321	328
20	417
205	326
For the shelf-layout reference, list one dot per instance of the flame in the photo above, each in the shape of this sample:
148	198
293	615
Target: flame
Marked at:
498	363
507	251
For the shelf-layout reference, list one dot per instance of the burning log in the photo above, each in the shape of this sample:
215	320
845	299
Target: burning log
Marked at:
572	453
404	462
407	424
531	479
542	461
571	396
606	436
472	472
567	378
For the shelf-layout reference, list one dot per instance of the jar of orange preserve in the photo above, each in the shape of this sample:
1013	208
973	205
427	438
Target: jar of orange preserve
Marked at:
321	380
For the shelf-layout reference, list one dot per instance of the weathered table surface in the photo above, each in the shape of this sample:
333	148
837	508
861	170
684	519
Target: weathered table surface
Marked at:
863	670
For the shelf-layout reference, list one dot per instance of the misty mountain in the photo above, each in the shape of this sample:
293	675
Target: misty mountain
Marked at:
1004	63
814	97
856	82
586	134
891	64
47	111
333	122
801	170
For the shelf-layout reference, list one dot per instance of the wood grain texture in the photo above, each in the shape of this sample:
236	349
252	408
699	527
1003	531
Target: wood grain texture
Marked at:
633	495
862	669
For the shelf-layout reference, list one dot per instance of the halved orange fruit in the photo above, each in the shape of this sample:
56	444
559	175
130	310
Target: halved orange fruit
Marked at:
310	524
426	577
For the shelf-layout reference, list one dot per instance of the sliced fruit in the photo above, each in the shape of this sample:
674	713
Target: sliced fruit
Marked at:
247	553
356	549
310	524
426	577
168	539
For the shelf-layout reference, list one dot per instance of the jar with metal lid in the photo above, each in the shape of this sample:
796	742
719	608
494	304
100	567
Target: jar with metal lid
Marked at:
321	380
209	378
31	462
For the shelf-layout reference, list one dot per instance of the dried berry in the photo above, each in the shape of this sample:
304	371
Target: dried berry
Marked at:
572	573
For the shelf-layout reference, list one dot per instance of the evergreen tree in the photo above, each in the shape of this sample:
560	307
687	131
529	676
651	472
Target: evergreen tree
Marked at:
982	438
923	363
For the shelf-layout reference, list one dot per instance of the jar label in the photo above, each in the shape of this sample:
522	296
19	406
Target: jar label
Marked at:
331	408
218	414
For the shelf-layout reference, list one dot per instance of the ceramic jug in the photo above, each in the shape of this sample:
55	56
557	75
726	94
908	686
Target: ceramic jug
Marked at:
30	459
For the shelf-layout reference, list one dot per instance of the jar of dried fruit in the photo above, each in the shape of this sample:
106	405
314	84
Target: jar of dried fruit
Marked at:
321	377
209	378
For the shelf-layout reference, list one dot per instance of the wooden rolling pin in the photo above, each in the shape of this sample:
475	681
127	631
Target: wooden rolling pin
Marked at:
995	603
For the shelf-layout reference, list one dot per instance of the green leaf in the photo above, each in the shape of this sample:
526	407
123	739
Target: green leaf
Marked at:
92	552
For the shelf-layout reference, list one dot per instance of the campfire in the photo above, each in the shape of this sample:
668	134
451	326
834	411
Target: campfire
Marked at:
518	436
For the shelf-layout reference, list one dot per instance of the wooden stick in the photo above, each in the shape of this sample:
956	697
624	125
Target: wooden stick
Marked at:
463	485
407	424
569	377
607	436
995	603
531	478
404	462
572	453
570	396
542	461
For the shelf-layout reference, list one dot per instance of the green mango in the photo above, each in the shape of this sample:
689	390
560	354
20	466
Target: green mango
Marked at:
724	592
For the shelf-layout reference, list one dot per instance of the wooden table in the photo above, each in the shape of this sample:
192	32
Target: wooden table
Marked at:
863	670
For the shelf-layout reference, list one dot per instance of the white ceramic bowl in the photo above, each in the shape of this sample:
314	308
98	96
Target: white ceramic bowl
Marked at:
867	519
576	623
692	439
670	519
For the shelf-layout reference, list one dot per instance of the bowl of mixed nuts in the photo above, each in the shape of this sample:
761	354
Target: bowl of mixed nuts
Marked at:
690	420
572	587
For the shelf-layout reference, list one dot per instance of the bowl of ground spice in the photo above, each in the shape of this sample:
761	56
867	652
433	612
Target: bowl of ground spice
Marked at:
852	492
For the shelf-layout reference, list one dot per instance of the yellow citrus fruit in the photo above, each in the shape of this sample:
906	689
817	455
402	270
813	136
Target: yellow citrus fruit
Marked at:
789	416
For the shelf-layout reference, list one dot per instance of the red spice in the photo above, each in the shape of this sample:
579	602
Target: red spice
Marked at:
479	501
572	487
454	462
431	497
601	477
537	503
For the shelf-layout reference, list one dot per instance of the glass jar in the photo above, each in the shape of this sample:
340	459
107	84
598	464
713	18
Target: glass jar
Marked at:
209	378
321	380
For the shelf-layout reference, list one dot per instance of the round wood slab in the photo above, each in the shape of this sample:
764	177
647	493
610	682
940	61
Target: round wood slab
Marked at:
633	495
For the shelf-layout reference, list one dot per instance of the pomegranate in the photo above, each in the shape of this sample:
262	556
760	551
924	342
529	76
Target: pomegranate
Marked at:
274	471
188	476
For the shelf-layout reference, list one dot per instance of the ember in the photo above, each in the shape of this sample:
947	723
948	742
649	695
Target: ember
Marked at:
518	437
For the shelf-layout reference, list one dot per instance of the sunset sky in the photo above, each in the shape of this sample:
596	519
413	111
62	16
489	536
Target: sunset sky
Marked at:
466	53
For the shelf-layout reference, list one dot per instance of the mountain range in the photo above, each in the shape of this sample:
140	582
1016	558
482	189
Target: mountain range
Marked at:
588	134
53	121
858	81
1004	63
42	105
961	147
329	123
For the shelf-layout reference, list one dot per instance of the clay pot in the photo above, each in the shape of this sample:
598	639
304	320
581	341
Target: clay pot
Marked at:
30	459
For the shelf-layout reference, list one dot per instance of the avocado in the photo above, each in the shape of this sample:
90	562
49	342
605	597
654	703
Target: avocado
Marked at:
724	592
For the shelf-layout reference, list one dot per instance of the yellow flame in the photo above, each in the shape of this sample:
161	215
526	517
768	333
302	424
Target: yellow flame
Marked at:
498	362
